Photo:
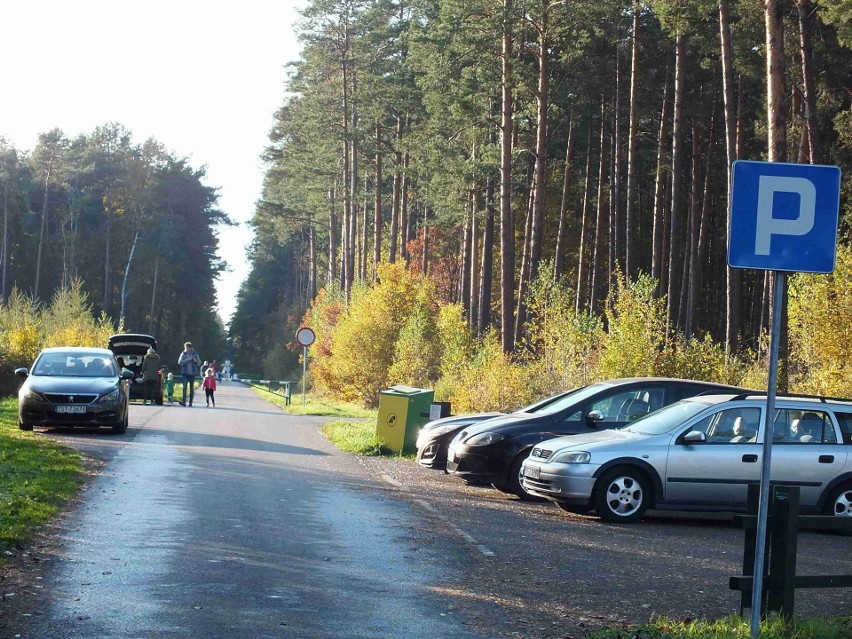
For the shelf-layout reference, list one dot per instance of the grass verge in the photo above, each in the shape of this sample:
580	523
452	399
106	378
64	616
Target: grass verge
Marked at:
316	405
354	437
37	476
733	627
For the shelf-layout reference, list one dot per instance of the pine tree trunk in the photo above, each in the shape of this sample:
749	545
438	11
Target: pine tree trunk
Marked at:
541	140
777	143
397	190
676	215
562	234
43	226
346	279
377	213
464	278
582	268
507	230
153	312
659	233
689	264
403	209
630	262
474	251
807	17
734	277
365	230
486	273
600	228
524	276
617	240
4	294
332	237
126	276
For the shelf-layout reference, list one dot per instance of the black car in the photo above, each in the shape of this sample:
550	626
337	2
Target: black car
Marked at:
130	350
493	451
74	386
435	437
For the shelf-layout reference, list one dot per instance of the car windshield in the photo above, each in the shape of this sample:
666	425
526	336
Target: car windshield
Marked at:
68	364
668	418
566	400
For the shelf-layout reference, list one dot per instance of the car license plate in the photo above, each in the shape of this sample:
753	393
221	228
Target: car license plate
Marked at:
70	409
533	472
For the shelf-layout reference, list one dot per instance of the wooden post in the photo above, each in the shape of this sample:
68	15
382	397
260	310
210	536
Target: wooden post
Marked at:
784	537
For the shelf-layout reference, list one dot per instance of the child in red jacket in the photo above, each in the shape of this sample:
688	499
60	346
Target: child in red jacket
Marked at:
209	386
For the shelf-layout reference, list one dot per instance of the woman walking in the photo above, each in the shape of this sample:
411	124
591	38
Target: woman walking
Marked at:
150	376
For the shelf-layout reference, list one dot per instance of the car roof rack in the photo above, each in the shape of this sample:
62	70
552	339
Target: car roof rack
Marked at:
792	396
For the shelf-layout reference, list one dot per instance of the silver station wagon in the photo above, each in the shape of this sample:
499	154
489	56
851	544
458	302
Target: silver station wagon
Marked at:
700	454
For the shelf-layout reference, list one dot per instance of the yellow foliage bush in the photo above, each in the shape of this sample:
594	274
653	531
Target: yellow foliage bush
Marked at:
364	342
820	308
636	331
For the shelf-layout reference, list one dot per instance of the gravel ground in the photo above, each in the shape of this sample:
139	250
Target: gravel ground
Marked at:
557	575
535	571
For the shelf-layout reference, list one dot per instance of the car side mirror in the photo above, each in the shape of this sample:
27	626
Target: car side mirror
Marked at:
22	372
126	373
594	416
694	437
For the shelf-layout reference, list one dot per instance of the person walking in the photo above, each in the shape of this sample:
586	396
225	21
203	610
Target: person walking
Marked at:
209	386
189	363
150	376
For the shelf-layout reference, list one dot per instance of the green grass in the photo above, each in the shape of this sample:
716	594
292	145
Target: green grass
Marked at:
37	476
316	405
733	627
354	437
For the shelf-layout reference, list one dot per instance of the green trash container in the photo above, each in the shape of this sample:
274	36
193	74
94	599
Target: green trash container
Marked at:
402	411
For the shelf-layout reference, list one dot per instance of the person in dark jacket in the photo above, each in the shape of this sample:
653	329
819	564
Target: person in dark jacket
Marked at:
150	376
190	364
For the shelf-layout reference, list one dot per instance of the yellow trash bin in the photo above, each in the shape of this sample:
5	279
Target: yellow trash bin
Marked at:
402	411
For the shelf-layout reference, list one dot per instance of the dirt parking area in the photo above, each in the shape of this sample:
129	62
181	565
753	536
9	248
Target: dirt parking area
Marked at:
558	574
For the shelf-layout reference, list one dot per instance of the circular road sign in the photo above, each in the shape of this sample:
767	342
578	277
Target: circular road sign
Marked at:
305	336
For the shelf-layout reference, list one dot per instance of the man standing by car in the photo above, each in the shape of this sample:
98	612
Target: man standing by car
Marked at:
150	376
190	364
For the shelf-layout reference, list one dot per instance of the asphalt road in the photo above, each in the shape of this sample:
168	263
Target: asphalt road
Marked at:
242	521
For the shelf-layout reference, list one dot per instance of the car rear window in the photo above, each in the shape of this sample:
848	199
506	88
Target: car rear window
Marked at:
845	421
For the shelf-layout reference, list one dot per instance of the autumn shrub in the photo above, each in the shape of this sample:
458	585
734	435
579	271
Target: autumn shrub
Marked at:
636	330
820	308
491	381
701	358
363	343
562	344
26	327
417	353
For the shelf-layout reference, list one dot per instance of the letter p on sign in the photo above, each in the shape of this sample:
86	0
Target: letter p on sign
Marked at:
768	225
784	216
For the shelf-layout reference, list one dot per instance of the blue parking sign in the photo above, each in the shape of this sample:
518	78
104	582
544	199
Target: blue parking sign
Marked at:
784	216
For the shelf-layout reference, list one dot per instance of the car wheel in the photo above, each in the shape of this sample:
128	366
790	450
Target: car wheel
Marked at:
574	509
24	426
516	485
622	495
121	428
839	504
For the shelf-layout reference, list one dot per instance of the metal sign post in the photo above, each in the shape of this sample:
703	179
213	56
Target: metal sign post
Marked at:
783	218
305	337
763	507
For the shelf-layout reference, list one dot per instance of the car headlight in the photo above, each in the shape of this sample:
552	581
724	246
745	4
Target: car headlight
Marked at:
483	439
30	395
110	398
571	457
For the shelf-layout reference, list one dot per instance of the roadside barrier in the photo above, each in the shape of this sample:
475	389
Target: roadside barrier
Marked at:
283	388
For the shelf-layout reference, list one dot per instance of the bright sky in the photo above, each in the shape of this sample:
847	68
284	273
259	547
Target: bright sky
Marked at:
202	77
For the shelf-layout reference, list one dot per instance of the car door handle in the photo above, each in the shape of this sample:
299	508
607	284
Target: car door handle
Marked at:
826	459
749	459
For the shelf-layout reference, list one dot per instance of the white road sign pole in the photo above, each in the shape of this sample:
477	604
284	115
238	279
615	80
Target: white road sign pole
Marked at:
304	371
768	421
305	336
